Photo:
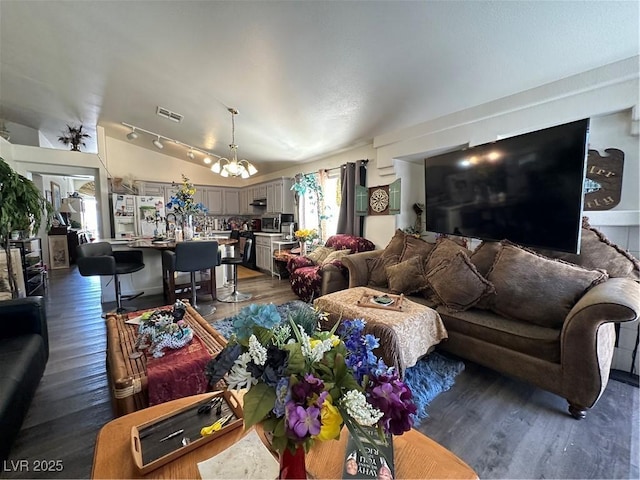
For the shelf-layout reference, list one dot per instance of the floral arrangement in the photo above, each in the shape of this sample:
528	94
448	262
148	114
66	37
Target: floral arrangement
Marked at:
305	384
183	202
306	234
162	329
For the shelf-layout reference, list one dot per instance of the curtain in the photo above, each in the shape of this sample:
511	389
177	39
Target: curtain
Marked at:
322	223
352	174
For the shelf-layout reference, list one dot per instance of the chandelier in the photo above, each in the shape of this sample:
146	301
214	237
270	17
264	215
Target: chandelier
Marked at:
233	167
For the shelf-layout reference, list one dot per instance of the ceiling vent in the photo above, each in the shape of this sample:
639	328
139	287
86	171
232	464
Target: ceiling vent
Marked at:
168	114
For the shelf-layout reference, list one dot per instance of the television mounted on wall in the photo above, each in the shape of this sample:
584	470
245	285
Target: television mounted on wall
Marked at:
527	189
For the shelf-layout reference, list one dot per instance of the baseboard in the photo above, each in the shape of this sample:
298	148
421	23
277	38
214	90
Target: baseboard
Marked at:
624	377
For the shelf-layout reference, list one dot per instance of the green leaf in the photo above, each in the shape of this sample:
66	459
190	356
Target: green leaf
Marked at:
280	427
258	402
279	443
269	424
297	362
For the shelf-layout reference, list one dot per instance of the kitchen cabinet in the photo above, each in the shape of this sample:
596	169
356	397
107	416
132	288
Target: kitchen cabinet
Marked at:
243	195
214	200
263	252
265	246
280	196
231	203
259	191
153	189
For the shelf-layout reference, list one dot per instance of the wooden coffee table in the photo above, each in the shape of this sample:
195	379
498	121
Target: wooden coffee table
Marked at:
416	456
128	376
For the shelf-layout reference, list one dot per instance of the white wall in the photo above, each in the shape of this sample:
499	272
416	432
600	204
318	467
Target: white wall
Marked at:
22	135
608	95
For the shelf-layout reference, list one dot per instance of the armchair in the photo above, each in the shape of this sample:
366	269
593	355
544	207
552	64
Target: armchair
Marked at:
314	275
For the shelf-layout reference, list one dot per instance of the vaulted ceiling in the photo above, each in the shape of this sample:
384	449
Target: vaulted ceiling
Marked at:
308	78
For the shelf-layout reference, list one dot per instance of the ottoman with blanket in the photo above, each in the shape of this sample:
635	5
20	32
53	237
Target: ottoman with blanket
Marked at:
404	336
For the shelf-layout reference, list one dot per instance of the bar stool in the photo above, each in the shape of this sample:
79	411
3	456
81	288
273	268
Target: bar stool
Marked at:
236	296
100	259
192	257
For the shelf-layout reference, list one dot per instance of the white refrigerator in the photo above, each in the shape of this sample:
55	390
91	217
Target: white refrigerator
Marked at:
124	215
150	216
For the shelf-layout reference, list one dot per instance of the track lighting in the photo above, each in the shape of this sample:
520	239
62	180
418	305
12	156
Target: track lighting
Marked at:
224	167
132	135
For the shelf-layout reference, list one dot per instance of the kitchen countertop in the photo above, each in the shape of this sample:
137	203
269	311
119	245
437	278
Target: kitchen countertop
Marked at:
265	234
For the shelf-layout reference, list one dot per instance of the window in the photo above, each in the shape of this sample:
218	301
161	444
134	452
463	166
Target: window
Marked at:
308	210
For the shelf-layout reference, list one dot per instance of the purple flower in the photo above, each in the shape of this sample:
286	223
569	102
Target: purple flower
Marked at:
306	388
302	421
392	397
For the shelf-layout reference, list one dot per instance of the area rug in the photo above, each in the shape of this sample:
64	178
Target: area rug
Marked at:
431	376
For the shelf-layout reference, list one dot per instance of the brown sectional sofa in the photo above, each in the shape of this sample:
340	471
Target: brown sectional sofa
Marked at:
542	320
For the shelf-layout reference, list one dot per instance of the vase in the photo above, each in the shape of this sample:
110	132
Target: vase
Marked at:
303	248
292	464
187	227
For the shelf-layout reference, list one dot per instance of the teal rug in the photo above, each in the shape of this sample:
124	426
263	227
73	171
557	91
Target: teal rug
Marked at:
428	378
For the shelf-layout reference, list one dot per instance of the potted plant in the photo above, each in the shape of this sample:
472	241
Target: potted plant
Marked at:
21	203
74	136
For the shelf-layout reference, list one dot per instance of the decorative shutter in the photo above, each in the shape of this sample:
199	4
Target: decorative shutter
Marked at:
394	198
362	200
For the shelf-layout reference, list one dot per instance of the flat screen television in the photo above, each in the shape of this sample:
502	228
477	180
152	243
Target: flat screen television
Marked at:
527	189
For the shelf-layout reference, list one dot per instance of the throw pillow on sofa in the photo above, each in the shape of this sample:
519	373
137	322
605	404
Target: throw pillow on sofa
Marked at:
337	255
444	249
415	247
378	269
457	284
597	251
537	289
407	277
320	254
395	245
484	256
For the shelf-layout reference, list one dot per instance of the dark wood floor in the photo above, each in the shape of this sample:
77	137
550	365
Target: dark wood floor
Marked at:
501	427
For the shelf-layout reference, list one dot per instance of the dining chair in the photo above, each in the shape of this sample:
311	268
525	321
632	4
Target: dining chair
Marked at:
236	260
100	259
193	256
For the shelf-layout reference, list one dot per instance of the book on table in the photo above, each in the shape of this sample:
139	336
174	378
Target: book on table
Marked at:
376	461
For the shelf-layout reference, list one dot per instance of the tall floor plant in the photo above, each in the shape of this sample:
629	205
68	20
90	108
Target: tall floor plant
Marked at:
20	202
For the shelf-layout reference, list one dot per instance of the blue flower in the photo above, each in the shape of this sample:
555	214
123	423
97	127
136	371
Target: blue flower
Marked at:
266	316
283	395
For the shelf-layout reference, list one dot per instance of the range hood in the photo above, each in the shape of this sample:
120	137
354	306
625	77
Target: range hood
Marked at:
259	202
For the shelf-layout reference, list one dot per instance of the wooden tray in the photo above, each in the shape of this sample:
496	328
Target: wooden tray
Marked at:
149	453
397	305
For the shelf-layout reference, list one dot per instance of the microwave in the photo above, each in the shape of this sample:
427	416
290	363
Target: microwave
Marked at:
273	224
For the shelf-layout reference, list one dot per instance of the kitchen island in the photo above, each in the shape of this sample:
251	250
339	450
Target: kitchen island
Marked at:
149	279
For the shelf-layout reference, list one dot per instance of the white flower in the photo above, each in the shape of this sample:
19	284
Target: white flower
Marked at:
359	409
319	348
305	342
239	377
257	351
